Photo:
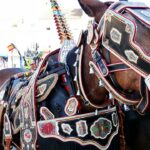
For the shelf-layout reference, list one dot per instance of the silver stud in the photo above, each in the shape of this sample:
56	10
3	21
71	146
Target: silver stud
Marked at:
78	92
96	112
101	83
26	125
126	108
77	51
75	78
111	96
77	58
75	64
91	70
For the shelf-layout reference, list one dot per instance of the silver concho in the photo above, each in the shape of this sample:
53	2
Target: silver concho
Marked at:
101	128
66	128
71	106
27	135
132	57
115	35
82	128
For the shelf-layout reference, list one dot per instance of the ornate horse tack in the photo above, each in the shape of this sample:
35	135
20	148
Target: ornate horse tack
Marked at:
84	129
64	34
112	25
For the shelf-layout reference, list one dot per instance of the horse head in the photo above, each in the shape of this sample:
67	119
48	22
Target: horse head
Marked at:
129	79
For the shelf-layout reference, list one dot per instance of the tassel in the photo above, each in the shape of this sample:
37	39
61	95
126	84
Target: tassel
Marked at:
101	83
75	64
75	78
77	51
96	112
91	70
111	96
78	92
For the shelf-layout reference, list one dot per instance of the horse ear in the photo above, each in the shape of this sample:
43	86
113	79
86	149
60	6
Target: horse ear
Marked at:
93	7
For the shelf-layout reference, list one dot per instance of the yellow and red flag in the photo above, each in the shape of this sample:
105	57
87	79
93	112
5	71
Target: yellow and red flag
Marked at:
11	47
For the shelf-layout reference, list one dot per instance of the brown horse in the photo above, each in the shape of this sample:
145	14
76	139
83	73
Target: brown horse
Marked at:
93	96
137	128
5	74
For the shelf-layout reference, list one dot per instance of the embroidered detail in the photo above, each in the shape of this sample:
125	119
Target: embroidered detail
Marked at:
82	128
115	119
41	89
115	35
27	135
46	113
147	81
131	56
71	106
45	86
101	128
83	137
66	128
47	129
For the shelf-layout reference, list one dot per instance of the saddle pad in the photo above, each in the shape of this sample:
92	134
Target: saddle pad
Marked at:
118	38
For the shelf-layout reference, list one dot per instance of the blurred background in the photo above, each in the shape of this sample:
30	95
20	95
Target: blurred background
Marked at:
29	25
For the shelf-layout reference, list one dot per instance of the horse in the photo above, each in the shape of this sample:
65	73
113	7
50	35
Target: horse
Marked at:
127	79
57	99
74	109
7	73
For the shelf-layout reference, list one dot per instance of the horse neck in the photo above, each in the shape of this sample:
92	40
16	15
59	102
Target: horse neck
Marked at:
94	92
